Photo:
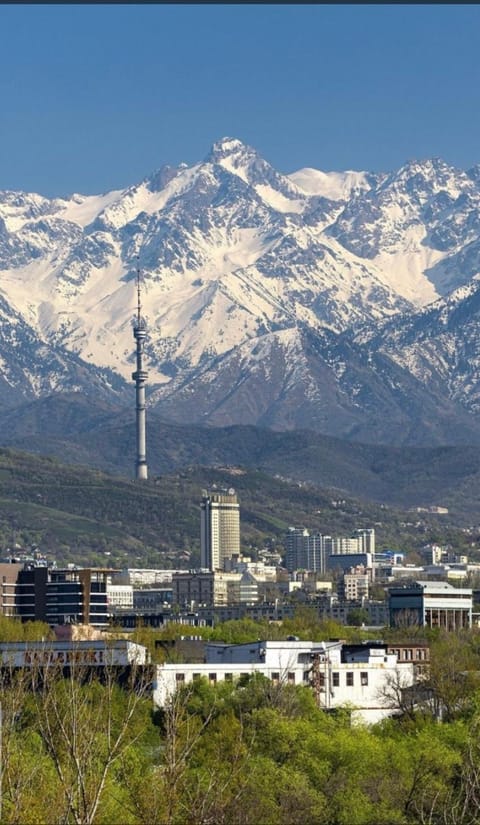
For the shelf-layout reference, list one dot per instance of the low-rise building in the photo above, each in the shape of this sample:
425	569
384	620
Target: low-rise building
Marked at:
152	598
89	653
218	588
435	604
350	676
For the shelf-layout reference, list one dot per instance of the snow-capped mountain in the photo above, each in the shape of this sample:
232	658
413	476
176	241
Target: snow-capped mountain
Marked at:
289	300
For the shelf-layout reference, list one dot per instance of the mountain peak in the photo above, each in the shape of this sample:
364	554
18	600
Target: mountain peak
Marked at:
227	146
161	177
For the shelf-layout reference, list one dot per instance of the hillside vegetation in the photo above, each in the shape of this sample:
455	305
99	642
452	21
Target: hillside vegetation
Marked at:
88	517
76	431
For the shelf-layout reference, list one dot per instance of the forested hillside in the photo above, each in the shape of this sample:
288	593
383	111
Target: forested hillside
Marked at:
87	517
78	431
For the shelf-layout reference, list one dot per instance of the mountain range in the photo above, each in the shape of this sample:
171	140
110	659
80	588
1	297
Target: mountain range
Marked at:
345	303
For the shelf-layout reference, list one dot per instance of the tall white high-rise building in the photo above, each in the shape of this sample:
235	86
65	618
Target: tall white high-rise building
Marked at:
366	538
361	541
220	528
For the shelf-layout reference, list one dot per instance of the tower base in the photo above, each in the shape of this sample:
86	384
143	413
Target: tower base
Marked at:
141	472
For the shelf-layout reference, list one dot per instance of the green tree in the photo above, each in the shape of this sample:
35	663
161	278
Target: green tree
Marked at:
357	616
86	726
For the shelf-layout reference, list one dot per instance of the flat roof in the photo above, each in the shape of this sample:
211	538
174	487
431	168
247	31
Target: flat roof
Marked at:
431	587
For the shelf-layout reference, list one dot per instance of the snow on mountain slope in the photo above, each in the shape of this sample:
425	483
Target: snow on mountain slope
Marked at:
225	257
83	209
336	186
411	224
235	255
440	345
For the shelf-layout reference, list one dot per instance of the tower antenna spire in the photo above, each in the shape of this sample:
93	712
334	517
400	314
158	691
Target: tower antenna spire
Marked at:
140	378
139	304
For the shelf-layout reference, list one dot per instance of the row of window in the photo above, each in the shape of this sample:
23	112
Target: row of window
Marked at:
408	654
349	678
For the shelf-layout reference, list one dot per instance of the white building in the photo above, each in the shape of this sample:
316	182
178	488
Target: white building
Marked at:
91	652
353	678
361	541
143	576
219	528
119	595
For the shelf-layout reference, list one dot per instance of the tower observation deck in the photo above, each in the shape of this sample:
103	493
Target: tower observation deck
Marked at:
140	378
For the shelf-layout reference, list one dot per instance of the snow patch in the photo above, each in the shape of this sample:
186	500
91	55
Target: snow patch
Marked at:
83	209
336	186
278	201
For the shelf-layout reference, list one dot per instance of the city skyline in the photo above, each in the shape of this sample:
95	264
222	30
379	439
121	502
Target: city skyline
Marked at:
97	97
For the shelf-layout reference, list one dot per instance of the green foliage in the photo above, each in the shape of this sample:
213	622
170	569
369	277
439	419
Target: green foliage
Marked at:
87	517
357	616
234	753
13	630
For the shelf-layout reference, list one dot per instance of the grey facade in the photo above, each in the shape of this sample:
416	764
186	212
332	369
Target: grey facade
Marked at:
305	551
432	604
140	377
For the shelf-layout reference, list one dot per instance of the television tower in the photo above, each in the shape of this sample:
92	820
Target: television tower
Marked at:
140	378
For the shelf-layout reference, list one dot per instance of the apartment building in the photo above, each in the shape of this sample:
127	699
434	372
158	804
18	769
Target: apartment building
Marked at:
304	551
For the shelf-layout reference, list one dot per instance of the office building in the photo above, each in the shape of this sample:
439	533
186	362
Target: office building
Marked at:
214	588
434	604
57	596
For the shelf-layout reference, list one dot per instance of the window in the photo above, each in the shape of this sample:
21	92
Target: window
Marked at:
321	679
228	677
291	678
180	677
196	675
336	679
275	678
349	679
363	679
212	678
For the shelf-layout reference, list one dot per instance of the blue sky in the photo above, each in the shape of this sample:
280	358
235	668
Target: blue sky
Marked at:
96	97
